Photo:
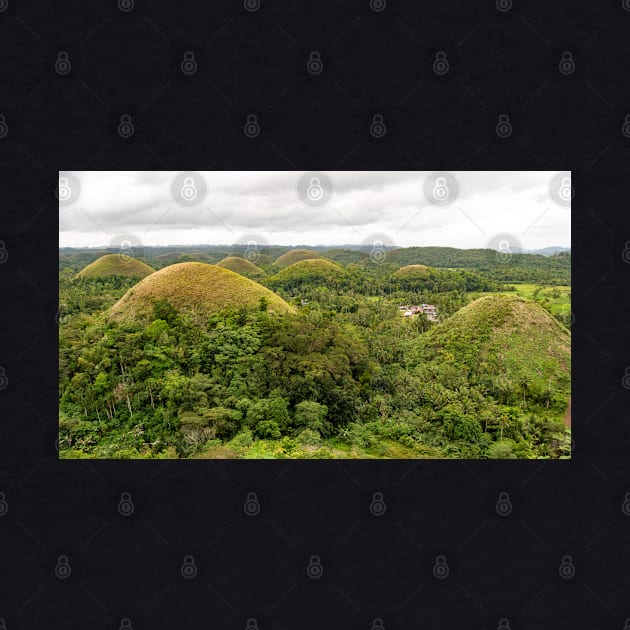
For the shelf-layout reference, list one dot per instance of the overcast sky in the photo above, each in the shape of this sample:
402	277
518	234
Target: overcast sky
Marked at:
266	206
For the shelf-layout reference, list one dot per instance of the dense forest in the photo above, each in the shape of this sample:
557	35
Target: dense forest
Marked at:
212	352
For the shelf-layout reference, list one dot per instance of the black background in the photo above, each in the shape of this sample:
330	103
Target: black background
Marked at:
255	566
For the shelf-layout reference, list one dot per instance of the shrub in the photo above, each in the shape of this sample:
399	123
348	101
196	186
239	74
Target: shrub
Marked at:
307	437
268	429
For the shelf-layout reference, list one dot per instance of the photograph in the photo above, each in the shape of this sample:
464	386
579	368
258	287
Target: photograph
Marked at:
315	314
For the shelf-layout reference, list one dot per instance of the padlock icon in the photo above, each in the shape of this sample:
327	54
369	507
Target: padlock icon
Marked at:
251	507
251	624
315	191
251	252
125	5
251	5
566	65
378	507
315	570
125	505
625	506
504	5
565	192
4	506
377	127
126	251
504	126
63	569
314	65
626	379
378	624
504	624
567	568
4	379
4	128
189	189
504	505
504	253
378	252
125	624
625	255
64	192
440	190
625	129
125	128
189	568
189	64
440	568
252	127
440	63
62	64
378	5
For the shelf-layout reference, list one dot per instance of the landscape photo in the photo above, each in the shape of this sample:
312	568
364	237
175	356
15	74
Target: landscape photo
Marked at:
315	315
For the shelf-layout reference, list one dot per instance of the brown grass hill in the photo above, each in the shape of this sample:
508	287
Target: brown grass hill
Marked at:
242	266
296	255
195	288
505	341
311	271
116	265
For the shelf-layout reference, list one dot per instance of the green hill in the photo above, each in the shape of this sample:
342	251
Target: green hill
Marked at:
412	271
296	255
195	288
116	265
508	342
242	266
519	268
310	272
346	256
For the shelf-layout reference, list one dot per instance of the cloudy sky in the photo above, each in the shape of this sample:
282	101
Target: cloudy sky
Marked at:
402	208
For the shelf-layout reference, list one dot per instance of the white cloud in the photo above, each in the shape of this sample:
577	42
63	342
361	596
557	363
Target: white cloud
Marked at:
363	203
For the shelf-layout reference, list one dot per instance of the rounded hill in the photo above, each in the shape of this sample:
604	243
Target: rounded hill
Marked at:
505	338
195	288
296	255
116	265
242	266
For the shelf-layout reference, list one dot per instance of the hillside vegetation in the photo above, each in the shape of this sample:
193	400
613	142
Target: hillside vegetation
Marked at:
198	361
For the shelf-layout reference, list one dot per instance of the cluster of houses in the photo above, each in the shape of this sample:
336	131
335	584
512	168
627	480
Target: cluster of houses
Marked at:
428	310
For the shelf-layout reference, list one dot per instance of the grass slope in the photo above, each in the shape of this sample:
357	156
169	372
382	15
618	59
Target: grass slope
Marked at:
242	266
116	265
195	288
296	255
505	336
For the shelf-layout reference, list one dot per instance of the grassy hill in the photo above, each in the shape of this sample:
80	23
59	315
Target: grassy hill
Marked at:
195	288
242	266
116	265
296	255
506	339
312	272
